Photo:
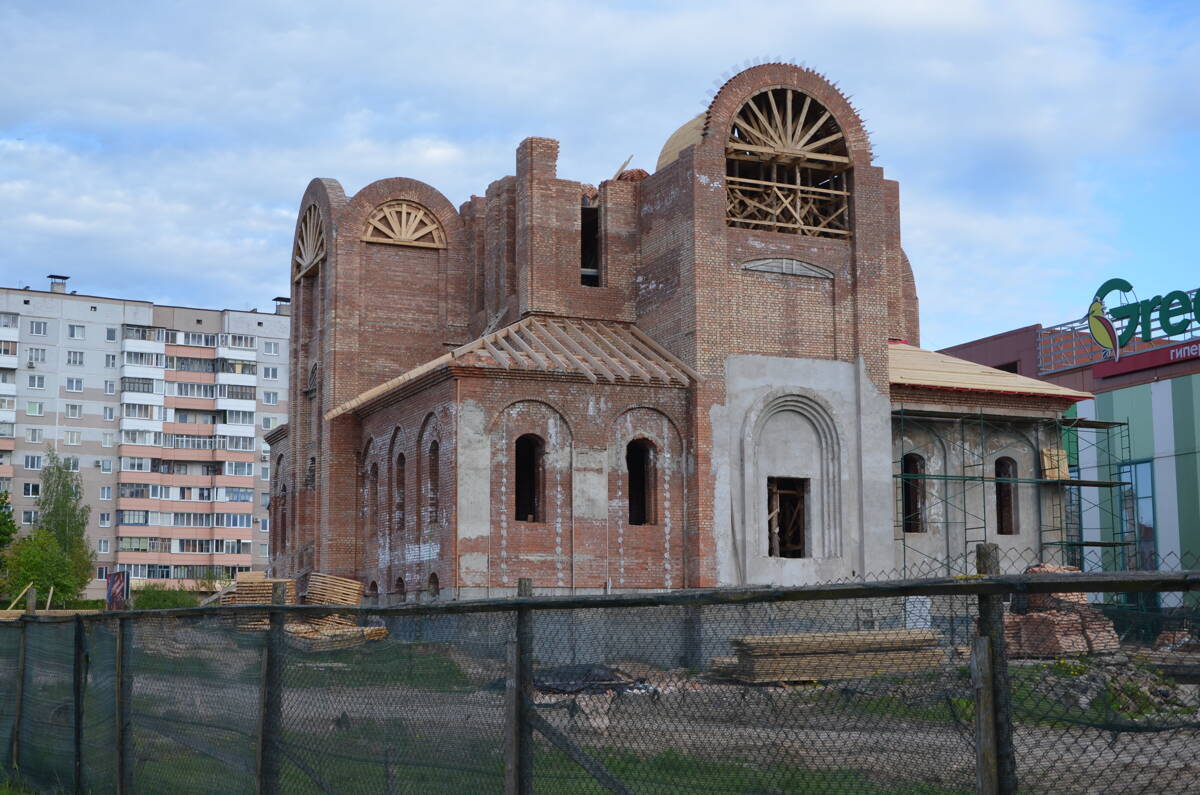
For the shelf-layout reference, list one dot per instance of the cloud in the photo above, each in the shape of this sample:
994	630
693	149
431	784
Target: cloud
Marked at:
160	150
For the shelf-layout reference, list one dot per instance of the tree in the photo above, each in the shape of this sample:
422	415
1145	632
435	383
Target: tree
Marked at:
64	514
39	559
8	526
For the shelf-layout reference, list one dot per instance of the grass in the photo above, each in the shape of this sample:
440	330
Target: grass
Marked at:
416	665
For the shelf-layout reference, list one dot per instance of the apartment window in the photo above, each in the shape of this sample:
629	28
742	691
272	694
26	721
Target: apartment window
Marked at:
236	391
34	408
110	334
264	525
108	439
74	384
242	341
33	435
37	328
72	438
1006	496
268	423
31	489
106	492
8	348
271	348
231	519
110	387
239	495
528	456
786	514
264	499
7	429
639	463
262	550
36	355
29	517
102	546
266	473
7	403
75	358
106	466
239	468
271	398
912	493
130	464
74	411
71	463
145	359
37	381
9	320
141	411
74	332
102	572
239	417
110	360
110	413
271	373
133	518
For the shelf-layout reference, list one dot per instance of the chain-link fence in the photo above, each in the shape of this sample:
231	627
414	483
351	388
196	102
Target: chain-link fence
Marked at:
855	688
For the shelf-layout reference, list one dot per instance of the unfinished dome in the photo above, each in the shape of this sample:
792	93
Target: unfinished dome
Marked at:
786	165
687	135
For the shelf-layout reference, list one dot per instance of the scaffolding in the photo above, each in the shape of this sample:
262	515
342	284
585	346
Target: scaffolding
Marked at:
946	478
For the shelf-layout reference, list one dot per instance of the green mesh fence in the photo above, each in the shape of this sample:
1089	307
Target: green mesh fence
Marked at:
864	695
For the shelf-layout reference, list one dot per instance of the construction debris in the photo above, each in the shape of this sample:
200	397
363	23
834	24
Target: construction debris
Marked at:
1058	624
830	655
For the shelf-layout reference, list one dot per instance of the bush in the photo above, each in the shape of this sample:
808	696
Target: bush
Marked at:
156	597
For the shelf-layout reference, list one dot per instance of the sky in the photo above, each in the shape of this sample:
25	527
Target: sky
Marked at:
159	150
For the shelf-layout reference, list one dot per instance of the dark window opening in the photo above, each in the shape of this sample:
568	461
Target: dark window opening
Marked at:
528	490
912	492
639	462
434	590
434	467
400	587
374	589
1006	497
399	491
1009	367
786	514
373	499
589	246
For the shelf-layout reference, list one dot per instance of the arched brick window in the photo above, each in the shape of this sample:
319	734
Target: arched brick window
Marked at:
434	589
912	493
400	588
528	481
433	468
640	456
372	520
1006	496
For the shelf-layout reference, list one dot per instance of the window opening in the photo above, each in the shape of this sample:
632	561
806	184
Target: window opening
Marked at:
786	504
589	246
400	481
912	488
639	463
434	590
528	487
373	499
787	166
373	590
1006	497
434	465
400	588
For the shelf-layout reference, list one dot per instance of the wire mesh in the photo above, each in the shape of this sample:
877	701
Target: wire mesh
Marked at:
853	695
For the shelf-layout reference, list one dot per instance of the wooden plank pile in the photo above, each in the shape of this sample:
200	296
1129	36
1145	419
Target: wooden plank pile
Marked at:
821	656
327	633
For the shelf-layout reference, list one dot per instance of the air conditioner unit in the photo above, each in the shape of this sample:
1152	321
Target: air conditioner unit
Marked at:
96	463
30	365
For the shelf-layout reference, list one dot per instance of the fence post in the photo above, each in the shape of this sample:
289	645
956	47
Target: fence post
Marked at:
986	773
271	705
518	758
78	682
123	691
14	754
991	627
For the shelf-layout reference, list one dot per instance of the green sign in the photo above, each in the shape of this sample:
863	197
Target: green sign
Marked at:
1175	311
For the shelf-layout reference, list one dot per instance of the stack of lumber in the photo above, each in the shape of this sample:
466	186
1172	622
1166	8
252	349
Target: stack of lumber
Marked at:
325	589
257	590
15	615
307	636
830	655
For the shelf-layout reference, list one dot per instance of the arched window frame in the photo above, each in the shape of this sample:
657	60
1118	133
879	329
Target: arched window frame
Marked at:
400	485
433	466
912	493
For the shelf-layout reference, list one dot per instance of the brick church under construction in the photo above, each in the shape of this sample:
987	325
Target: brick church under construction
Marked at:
704	376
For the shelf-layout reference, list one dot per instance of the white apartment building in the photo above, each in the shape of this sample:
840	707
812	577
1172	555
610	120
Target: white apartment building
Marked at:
161	409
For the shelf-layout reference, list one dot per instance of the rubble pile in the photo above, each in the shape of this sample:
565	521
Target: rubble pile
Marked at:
1057	624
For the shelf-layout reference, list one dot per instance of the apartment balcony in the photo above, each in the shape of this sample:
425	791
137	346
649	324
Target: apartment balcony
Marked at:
10	333
141	371
8	389
237	378
8	362
143	346
224	429
190	428
6	470
144	398
193	403
244	354
231	404
8	415
136	424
